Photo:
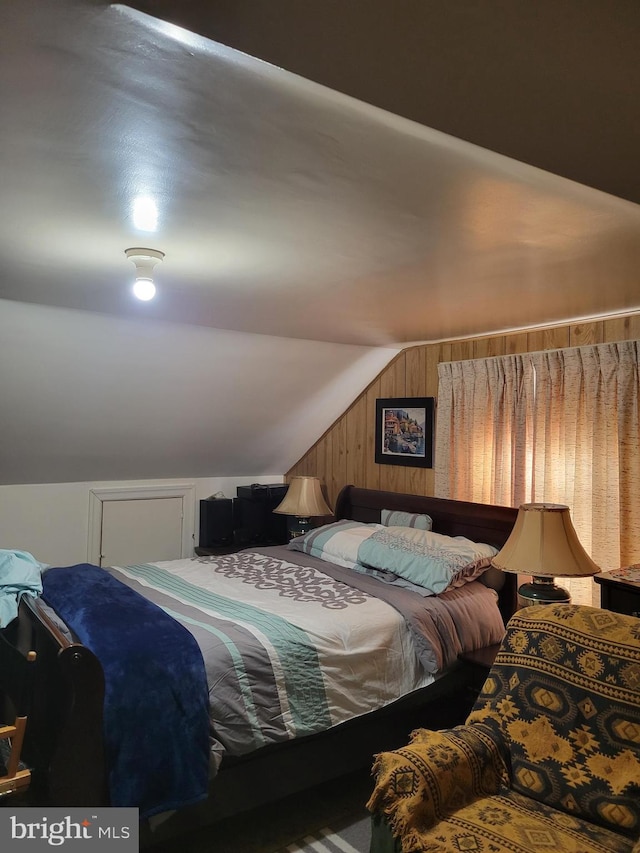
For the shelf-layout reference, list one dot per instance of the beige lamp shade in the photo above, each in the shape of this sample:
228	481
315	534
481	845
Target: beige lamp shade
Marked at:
303	499
544	543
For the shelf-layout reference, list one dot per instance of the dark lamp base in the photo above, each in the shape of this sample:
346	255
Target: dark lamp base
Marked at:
298	526
542	591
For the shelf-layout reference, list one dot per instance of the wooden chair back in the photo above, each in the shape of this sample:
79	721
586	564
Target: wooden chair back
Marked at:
17	673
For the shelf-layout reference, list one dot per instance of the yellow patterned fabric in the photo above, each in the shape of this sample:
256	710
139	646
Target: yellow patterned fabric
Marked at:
441	772
549	758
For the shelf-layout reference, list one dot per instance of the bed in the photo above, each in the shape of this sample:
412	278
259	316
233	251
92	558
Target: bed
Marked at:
66	734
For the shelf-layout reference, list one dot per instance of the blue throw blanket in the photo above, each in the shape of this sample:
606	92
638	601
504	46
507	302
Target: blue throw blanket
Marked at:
19	575
156	717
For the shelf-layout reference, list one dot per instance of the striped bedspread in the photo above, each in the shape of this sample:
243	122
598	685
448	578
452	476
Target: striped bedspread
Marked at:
293	645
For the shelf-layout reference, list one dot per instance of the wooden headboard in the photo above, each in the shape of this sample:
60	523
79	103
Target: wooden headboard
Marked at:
478	522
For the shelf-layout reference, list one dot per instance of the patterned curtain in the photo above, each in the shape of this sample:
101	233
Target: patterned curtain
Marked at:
561	426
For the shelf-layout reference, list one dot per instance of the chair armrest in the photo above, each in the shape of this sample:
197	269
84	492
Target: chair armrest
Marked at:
435	775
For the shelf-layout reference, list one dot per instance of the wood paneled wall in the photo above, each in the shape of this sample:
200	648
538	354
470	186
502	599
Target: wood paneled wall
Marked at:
345	453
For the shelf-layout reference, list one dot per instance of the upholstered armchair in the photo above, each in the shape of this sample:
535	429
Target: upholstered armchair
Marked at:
549	758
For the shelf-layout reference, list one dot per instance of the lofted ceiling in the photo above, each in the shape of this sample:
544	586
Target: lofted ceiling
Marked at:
553	84
355	176
288	208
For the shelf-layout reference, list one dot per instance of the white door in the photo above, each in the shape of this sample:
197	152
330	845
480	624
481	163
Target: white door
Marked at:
141	531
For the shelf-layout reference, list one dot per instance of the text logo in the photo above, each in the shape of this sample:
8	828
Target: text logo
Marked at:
34	829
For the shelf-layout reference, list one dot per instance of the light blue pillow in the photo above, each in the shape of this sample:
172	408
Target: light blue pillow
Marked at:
396	518
431	560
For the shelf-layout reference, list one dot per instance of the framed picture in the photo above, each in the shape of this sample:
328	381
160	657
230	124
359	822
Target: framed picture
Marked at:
404	431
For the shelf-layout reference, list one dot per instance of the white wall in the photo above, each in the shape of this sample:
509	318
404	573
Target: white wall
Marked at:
51	521
89	397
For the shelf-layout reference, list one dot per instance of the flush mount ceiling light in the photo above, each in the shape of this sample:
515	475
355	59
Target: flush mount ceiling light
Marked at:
144	260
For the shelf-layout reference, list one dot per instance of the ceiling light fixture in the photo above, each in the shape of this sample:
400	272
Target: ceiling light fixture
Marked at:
144	260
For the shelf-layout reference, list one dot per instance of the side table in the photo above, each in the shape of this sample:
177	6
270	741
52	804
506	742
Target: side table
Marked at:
479	663
620	590
219	550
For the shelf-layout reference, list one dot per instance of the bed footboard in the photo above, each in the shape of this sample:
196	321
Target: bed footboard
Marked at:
64	740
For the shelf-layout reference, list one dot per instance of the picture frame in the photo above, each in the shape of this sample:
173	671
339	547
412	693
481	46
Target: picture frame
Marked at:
404	431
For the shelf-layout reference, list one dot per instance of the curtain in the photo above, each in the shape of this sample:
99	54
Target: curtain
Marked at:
560	426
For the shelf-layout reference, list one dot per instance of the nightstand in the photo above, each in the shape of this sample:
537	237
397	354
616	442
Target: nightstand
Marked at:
479	662
219	550
620	590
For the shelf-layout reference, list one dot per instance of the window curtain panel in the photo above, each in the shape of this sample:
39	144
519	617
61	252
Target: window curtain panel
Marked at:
561	426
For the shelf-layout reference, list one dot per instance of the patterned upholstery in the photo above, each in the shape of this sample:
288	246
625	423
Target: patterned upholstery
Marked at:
549	758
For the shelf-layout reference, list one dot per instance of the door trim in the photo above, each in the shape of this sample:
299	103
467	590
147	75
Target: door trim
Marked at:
186	491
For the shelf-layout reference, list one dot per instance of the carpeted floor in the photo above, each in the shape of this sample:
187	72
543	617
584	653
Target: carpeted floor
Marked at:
353	837
332	817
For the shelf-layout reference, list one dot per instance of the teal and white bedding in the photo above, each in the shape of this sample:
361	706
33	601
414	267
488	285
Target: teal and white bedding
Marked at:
293	645
427	562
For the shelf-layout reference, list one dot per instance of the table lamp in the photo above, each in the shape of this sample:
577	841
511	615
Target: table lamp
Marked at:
544	544
302	502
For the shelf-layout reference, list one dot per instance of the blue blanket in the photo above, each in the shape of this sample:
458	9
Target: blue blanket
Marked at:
156	708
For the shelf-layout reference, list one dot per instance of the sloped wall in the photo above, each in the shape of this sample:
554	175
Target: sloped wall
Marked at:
88	397
345	453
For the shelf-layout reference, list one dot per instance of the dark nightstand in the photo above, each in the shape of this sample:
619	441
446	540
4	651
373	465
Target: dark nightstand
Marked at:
479	663
219	551
620	590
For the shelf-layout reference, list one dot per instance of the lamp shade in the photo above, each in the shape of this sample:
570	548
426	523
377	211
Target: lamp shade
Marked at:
544	543
303	498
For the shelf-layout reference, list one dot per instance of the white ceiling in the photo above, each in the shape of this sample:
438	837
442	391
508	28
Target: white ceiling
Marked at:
285	209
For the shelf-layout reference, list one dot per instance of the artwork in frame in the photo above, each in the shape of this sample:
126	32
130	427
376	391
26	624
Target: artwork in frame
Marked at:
404	431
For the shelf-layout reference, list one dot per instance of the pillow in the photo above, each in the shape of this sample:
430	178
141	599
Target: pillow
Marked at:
337	542
429	559
395	518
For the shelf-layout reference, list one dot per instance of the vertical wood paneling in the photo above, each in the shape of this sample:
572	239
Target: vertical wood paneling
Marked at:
356	442
515	343
338	459
393	384
324	452
622	329
346	453
548	339
415	372
321	469
307	465
489	347
435	353
415	480
372	471
392	380
415	384
393	478
585	334
461	350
